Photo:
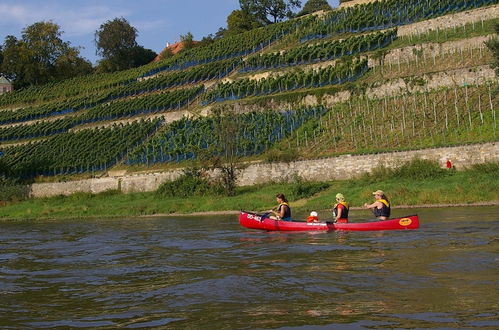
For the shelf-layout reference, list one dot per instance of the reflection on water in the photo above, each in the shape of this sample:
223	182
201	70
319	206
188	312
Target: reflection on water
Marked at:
198	272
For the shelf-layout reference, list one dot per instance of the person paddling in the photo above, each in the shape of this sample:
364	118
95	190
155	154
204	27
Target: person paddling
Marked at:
283	210
340	209
381	207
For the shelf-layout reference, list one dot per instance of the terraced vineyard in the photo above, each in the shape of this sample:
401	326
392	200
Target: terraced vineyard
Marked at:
448	116
262	81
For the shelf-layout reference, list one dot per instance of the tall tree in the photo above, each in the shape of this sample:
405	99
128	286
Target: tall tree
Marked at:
187	41
312	6
41	56
240	21
270	11
116	43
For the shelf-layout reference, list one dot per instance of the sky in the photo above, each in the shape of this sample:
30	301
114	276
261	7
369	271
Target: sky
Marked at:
157	21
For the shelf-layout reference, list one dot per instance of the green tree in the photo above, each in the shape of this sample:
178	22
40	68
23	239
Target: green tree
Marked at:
240	21
269	11
312	6
41	56
166	53
116	43
141	56
187	41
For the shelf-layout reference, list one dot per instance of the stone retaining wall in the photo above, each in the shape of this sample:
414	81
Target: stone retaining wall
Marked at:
346	166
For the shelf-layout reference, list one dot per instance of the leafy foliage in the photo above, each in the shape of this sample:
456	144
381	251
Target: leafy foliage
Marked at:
303	189
41	56
270	11
379	15
240	21
115	41
345	71
312	6
191	183
323	51
76	152
254	133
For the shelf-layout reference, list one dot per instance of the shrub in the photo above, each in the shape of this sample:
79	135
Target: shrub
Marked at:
191	183
285	156
11	190
488	167
414	169
303	189
420	169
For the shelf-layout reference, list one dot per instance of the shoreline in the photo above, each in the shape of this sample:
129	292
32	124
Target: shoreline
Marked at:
233	212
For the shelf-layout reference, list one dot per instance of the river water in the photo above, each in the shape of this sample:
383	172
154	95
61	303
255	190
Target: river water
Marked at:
208	272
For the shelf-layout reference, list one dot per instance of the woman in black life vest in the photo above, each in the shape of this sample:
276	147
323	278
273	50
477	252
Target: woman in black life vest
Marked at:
283	210
340	210
381	207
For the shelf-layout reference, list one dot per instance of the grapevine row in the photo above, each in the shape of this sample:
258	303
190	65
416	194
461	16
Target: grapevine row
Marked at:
386	14
77	152
330	75
230	46
323	51
253	133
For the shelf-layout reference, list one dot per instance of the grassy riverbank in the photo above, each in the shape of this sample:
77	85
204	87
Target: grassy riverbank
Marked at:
476	185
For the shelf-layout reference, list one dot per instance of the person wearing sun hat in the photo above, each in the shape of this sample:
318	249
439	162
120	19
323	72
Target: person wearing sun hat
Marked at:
340	209
381	207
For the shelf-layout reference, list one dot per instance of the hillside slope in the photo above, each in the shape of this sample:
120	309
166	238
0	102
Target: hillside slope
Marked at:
350	81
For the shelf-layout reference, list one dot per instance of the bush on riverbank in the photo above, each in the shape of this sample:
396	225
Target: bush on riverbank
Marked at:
416	169
191	183
11	190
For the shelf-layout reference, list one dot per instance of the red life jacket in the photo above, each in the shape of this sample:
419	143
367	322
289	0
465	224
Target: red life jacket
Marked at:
312	219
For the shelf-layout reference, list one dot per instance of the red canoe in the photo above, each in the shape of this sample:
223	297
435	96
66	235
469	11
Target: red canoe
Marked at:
256	221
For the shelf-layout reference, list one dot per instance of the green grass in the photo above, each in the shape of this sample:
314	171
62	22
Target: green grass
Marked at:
480	184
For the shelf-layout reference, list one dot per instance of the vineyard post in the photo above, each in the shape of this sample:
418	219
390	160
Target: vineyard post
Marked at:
306	141
467	105
446	113
455	107
414	108
480	107
384	107
434	111
425	108
494	124
403	111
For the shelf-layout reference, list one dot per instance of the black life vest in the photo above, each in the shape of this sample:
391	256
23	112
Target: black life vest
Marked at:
384	211
344	212
287	210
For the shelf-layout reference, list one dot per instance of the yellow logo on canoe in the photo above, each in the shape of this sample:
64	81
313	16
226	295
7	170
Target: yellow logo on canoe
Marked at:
405	221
